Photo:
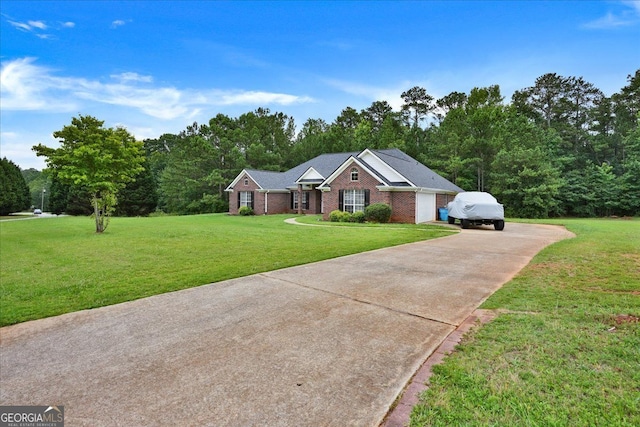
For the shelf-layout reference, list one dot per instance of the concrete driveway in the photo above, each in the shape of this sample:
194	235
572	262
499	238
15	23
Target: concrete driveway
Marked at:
326	344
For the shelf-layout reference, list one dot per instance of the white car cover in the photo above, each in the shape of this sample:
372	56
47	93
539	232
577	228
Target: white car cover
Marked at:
475	205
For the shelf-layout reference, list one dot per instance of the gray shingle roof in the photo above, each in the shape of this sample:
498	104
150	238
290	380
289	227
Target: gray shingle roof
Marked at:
326	164
414	171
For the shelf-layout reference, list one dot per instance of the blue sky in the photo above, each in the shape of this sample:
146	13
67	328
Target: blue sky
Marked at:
155	67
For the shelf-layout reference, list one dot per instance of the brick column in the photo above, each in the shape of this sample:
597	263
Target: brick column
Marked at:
299	199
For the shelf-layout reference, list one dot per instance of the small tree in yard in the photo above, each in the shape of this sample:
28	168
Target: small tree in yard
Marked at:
102	160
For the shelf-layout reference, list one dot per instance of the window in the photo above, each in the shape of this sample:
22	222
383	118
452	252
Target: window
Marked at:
294	200
354	174
354	200
246	181
245	198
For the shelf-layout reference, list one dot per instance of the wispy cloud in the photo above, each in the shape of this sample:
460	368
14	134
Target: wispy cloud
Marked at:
131	77
28	26
27	86
117	23
20	25
372	93
630	15
37	27
38	24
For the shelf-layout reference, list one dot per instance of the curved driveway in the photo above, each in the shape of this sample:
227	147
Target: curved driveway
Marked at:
326	344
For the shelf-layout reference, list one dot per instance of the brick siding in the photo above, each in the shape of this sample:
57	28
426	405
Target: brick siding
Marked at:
403	207
368	182
443	199
258	198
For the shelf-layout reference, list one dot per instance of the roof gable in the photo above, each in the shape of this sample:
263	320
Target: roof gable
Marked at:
347	163
310	175
389	173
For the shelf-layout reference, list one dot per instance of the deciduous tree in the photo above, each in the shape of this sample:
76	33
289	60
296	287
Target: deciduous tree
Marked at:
101	160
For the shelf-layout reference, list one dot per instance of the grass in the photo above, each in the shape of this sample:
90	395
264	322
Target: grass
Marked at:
566	349
52	266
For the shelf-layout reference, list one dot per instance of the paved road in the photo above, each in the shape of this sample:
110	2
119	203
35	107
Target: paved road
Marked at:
325	344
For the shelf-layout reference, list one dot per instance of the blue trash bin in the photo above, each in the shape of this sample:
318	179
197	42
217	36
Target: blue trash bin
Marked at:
443	213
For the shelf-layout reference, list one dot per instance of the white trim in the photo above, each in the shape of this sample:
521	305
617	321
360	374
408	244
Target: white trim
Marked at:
386	168
342	168
240	175
415	189
310	173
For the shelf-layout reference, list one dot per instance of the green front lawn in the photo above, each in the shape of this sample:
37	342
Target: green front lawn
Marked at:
565	351
52	266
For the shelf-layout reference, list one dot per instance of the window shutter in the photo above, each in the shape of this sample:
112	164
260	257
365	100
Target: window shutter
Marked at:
366	198
306	202
252	198
238	199
341	200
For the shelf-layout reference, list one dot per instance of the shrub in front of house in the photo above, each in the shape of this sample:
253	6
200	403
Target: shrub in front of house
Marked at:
334	216
357	217
378	212
339	216
245	211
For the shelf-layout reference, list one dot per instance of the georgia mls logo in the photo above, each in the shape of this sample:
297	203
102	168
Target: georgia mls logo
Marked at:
31	416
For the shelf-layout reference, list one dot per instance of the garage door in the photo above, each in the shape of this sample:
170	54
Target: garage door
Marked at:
425	207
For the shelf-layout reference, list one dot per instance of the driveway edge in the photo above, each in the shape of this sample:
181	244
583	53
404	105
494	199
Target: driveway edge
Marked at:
399	415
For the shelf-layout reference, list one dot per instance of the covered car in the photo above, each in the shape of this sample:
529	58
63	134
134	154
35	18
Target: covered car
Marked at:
476	208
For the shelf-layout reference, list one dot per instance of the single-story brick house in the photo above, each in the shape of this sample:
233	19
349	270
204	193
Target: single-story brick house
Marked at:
348	182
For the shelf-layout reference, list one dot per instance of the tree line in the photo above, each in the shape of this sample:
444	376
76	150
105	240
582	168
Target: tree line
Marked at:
559	147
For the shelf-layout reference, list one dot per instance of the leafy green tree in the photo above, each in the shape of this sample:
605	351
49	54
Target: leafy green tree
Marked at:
14	192
311	140
376	113
190	174
526	182
449	102
474	128
418	104
101	160
342	131
630	177
271	135
139	197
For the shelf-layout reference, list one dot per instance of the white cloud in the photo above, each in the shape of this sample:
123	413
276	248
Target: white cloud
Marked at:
627	17
390	94
609	21
20	25
131	77
36	27
117	23
38	24
256	98
17	147
27	86
634	4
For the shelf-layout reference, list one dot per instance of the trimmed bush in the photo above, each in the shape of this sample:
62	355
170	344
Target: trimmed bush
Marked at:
245	211
357	217
339	216
378	212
